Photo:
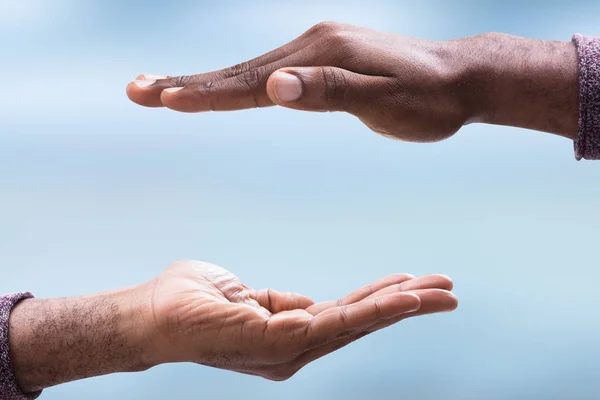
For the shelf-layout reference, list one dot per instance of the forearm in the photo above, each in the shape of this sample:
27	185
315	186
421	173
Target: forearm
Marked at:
526	83
60	340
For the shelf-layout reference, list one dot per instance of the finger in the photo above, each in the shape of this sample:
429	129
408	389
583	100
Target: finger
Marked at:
429	281
237	93
432	301
337	322
146	89
276	301
324	88
361	293
423	282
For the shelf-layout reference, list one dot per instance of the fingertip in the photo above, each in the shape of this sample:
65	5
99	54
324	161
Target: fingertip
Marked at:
416	299
298	301
448	283
306	302
173	89
427	282
400	277
410	301
413	305
287	87
443	300
144	83
453	302
132	91
307	299
284	87
154	77
142	93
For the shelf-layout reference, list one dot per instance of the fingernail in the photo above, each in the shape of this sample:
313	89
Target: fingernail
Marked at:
417	306
142	83
153	77
173	89
287	87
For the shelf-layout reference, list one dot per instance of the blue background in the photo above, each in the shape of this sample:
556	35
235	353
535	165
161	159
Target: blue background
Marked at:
97	193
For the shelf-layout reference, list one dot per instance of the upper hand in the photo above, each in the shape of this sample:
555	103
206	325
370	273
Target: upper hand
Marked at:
199	312
400	87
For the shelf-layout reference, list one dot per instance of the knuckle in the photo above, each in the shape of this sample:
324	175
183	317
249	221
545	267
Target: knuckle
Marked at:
180	81
397	287
345	47
344	314
340	40
269	299
239	69
249	79
377	307
325	27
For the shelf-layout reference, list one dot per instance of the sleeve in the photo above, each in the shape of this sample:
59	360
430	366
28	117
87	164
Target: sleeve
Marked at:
587	144
9	389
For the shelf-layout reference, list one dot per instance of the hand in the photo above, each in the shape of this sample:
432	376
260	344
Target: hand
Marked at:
398	86
202	313
404	88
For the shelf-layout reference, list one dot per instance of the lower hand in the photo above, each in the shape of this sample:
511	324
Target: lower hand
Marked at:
202	313
199	312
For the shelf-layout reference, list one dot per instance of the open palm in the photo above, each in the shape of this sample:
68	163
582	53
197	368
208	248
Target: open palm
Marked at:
205	314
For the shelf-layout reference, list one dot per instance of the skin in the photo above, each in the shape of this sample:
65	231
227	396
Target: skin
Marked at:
199	312
401	87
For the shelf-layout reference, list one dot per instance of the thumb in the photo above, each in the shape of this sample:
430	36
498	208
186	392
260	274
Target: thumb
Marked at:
276	302
316	88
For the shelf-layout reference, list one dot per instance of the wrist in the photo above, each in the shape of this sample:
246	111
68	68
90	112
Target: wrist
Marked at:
514	81
133	327
53	341
154	347
470	77
465	78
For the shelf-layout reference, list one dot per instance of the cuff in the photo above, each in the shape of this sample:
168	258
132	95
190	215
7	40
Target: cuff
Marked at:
9	390
587	144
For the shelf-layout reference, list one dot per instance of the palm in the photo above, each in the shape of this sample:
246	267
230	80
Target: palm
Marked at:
209	316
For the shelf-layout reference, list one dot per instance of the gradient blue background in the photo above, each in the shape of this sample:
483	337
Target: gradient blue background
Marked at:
97	193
